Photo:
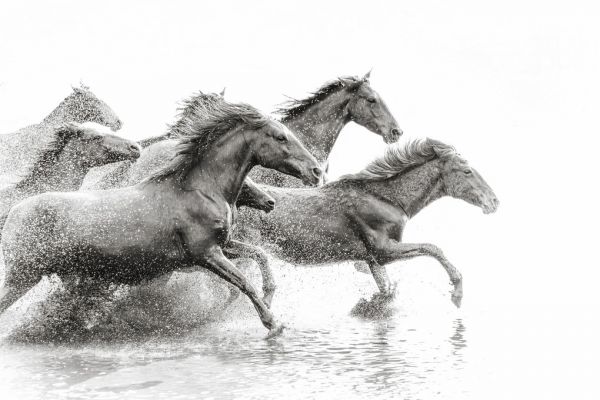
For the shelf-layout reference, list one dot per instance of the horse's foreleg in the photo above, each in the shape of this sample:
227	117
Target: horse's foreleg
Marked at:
394	251
237	249
216	262
381	278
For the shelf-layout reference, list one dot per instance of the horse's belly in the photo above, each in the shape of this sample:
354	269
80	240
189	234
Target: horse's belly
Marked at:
130	266
319	248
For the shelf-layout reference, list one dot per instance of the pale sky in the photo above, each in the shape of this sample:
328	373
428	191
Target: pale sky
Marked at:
513	85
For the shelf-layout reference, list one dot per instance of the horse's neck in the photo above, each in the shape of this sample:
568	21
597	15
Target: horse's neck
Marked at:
413	190
319	126
65	175
62	113
223	168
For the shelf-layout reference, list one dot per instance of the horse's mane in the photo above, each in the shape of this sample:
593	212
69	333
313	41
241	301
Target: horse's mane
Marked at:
189	111
398	159
192	110
50	153
293	107
202	133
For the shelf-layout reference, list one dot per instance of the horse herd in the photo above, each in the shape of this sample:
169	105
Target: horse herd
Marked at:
89	205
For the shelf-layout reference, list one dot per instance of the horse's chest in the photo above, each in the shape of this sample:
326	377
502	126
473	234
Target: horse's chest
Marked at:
216	225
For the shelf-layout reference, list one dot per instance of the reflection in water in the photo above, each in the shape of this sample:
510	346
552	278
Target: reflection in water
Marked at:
325	352
358	359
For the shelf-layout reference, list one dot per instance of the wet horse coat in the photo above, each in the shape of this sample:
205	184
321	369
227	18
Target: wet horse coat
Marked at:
362	216
63	164
179	218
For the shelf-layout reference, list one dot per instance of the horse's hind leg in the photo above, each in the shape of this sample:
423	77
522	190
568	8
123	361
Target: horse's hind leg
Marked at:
237	249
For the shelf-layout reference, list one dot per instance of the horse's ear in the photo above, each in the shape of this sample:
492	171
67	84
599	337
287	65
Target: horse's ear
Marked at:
223	92
76	89
367	76
83	86
351	84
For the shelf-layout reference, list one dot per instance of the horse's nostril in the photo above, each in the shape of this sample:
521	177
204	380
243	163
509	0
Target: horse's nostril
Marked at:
397	132
271	203
317	172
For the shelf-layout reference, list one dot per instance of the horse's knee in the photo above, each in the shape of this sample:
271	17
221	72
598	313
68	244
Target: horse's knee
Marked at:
269	286
433	250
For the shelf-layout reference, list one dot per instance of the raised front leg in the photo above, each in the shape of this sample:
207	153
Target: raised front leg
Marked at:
237	249
385	250
394	251
216	262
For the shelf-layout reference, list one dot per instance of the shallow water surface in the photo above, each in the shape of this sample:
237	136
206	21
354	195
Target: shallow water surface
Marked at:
424	349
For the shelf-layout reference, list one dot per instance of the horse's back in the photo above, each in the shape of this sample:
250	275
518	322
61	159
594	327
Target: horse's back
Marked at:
18	150
152	159
307	226
106	177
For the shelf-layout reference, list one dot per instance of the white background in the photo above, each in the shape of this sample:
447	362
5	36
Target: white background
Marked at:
513	85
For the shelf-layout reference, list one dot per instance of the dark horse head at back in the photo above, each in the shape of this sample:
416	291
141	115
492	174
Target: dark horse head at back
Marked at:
353	99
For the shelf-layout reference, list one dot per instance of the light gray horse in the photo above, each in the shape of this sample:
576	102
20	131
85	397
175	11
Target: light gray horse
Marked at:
18	150
63	164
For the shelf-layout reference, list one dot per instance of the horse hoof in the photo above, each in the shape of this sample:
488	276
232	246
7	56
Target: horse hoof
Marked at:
457	300
275	331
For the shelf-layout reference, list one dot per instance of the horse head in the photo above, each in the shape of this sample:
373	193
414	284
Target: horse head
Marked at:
97	148
367	108
83	106
463	182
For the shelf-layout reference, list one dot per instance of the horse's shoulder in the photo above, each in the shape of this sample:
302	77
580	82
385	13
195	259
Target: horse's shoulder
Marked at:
378	210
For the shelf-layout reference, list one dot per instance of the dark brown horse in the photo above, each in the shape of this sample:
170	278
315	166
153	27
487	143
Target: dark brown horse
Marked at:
319	119
160	153
362	216
63	164
179	218
160	150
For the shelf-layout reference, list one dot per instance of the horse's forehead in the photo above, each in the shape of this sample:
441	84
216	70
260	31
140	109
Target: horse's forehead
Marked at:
457	159
274	124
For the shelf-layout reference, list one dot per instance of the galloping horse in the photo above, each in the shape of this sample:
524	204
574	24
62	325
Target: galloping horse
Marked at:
18	150
318	121
178	218
159	151
155	156
362	216
65	161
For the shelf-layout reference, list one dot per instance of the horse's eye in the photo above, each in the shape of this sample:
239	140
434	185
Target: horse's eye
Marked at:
281	138
468	172
371	99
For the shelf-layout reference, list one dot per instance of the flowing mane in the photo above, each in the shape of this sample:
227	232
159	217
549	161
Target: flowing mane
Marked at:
398	159
191	111
293	107
199	135
49	155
